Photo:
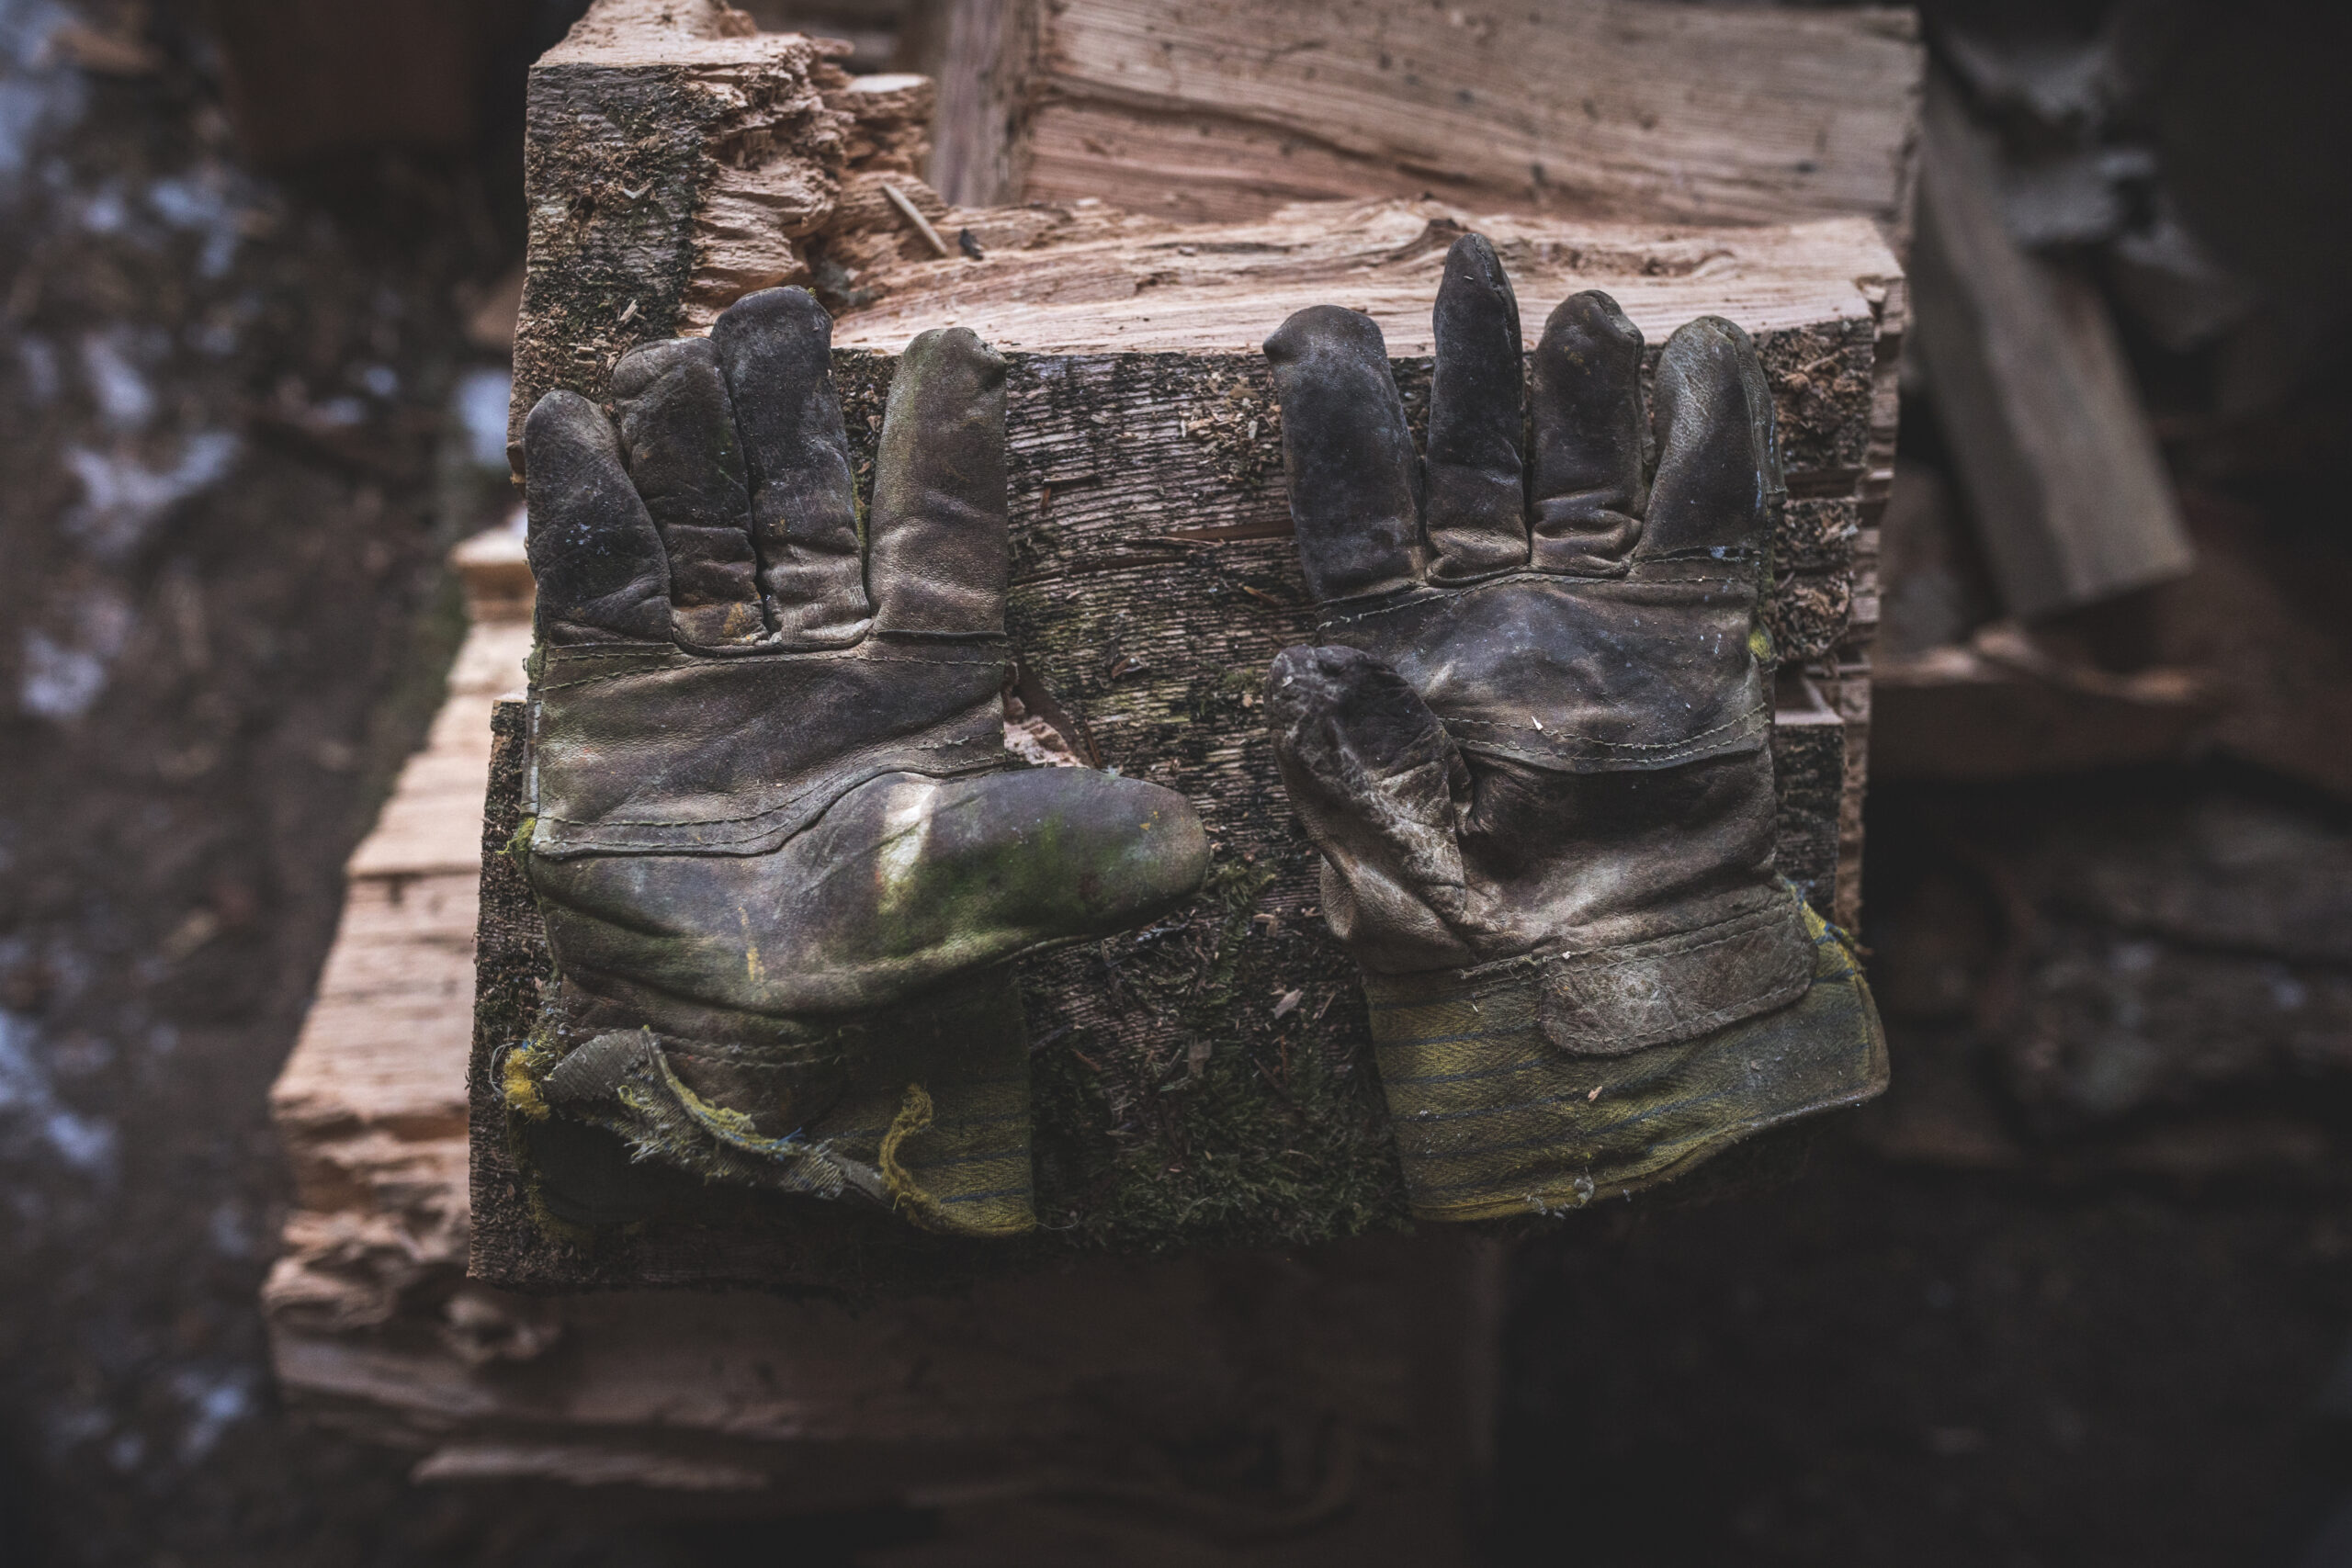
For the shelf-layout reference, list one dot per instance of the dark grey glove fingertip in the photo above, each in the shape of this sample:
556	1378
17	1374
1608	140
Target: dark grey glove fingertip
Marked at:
1588	496
594	552
1323	329
1477	513
776	346
1717	481
938	551
772	313
1347	454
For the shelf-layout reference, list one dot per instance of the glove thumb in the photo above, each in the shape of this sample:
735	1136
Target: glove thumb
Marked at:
1380	786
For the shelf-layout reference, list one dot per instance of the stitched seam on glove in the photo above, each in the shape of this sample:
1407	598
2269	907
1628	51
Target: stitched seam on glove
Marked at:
862	658
1631	952
767	814
757	816
1584	1010
1731	579
1748	723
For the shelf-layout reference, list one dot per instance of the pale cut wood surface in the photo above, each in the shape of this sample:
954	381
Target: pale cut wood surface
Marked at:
1224	109
398	979
1108	285
2069	492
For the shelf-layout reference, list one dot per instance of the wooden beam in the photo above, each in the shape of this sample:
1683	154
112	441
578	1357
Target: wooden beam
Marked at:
2053	450
1221	111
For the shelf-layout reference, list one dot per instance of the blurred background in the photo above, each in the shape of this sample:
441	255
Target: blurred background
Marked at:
2079	1292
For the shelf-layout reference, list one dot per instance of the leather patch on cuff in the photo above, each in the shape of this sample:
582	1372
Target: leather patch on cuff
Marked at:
1675	988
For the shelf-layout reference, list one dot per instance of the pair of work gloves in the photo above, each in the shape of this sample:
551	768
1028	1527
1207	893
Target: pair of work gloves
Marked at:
785	858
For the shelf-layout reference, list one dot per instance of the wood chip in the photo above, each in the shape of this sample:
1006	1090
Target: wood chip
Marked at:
908	210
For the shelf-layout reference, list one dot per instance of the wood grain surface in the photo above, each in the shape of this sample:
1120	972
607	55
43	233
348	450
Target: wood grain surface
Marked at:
1219	110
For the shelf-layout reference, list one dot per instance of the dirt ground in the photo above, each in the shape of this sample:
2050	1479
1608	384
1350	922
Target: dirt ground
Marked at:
234	448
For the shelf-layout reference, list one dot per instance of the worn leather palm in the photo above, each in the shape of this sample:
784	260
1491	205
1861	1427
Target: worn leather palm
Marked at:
781	852
1534	748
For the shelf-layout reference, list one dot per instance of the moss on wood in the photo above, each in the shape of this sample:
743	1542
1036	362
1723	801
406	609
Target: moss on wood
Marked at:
1204	1083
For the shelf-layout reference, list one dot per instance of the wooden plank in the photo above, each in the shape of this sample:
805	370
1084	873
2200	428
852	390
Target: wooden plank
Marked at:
2001	707
980	137
2069	492
1114	286
370	1104
1082	1386
1219	110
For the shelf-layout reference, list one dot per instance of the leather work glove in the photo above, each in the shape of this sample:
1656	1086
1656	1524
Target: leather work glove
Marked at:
1533	749
781	850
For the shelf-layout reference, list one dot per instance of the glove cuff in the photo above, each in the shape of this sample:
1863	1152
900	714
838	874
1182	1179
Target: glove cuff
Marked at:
934	1123
1499	1111
1606	1001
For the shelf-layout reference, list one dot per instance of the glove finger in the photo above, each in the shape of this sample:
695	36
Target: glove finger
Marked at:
1478	486
776	349
601	572
1347	454
940	550
1380	786
1718	473
678	434
1588	428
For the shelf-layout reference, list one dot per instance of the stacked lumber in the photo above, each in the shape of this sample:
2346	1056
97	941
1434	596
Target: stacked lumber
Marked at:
371	1104
678	158
2069	500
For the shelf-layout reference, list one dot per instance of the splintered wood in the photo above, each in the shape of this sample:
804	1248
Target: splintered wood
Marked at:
372	1102
1088	280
